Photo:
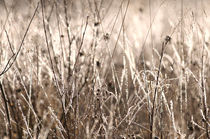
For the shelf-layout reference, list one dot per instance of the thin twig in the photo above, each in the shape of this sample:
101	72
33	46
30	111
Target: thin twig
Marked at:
10	45
81	44
52	66
14	57
69	37
7	109
164	44
204	97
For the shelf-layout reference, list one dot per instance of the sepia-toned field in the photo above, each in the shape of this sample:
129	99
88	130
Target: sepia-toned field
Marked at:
104	69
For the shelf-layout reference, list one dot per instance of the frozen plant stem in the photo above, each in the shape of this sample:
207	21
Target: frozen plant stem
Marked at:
13	58
68	34
52	67
7	109
203	88
81	44
164	44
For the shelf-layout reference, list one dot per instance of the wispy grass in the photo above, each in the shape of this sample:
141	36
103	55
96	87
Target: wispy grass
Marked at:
104	69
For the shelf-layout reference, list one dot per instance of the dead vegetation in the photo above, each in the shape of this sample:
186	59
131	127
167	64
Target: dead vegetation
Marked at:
104	69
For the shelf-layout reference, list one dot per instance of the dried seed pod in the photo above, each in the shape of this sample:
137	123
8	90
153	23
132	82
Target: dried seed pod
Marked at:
96	24
106	37
167	39
98	64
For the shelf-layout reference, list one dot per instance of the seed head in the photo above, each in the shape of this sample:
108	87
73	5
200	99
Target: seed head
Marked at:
167	39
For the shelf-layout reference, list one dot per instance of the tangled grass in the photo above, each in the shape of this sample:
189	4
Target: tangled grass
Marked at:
104	69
